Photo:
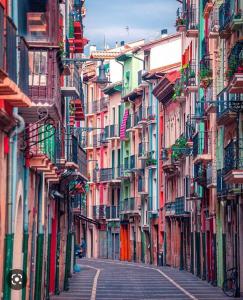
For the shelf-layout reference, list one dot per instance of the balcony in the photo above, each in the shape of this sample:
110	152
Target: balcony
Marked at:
190	74
234	73
110	175
180	21
40	147
169	209
179	95
130	123
180	207
151	161
222	187
192	22
112	212
228	104
99	212
113	132
151	115
44	85
170	165
131	206
202	146
206	72
10	92
214	23
143	150
72	83
140	117
200	175
211	174
142	186
72	152
130	163
224	19
233	162
207	7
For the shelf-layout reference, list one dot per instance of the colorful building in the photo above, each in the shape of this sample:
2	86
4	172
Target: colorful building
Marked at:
43	162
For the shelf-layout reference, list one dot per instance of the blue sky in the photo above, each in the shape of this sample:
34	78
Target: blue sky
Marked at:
145	18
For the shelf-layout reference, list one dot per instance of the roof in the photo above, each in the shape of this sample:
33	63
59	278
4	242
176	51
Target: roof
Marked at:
158	72
113	88
160	40
134	94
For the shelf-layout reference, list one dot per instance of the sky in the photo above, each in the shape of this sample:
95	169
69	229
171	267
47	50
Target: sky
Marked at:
127	20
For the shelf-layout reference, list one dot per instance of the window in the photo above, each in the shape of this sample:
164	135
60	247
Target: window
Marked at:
38	68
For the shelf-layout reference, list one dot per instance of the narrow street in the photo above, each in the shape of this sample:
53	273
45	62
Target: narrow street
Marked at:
106	279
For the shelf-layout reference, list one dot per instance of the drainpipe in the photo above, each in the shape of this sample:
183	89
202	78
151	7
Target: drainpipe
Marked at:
11	177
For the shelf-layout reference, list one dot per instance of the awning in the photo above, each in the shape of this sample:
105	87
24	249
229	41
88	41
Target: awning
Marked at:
124	125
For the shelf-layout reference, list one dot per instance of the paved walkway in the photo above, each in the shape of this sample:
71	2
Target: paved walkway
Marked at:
114	280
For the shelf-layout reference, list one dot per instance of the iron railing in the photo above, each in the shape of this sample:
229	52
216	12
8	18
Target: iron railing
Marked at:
151	159
233	156
106	174
202	143
235	60
227	102
225	14
23	66
191	74
104	103
222	187
112	212
130	204
11	49
214	20
192	18
180	208
169	208
200	175
142	188
99	212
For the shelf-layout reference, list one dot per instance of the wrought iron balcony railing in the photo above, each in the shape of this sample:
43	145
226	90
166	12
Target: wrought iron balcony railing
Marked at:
206	72
191	74
200	175
180	19
130	205
151	159
224	14
8	42
104	103
99	212
142	185
130	162
23	66
235	61
192	18
227	102
169	209
112	212
143	149
180	206
214	22
222	187
202	143
233	156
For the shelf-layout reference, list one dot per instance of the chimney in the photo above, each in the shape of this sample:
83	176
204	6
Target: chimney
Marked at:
164	32
116	44
122	43
92	48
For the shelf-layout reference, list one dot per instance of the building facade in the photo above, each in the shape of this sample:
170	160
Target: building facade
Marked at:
43	165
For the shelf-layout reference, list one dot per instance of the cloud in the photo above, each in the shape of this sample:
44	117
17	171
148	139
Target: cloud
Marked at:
145	19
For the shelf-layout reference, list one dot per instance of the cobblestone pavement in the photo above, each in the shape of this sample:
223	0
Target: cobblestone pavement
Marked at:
108	280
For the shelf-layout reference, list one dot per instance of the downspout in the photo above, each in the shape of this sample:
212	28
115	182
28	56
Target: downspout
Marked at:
11	199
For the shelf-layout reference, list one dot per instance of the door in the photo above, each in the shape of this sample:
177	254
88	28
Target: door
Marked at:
117	246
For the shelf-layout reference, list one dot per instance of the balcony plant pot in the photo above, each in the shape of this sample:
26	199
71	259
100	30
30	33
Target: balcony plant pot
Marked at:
71	120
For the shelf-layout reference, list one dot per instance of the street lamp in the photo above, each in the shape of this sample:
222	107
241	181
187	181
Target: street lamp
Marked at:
102	79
